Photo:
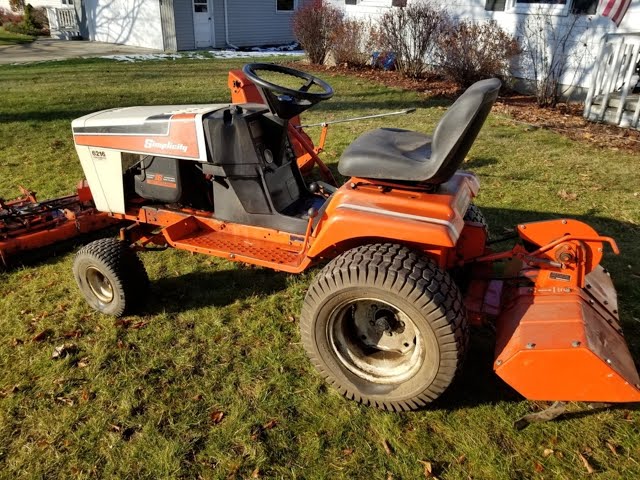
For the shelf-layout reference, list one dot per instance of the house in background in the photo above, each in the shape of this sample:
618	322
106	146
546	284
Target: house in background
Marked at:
601	60
172	25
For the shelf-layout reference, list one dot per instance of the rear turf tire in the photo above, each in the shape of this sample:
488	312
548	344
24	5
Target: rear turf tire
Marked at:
365	294
110	276
474	214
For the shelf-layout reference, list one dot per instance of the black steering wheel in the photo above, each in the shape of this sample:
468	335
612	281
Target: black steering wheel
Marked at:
283	101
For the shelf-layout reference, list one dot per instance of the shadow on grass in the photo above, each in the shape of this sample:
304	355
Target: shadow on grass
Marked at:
42	115
212	288
478	162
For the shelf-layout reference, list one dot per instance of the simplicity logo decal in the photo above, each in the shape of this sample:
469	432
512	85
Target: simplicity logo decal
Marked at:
150	143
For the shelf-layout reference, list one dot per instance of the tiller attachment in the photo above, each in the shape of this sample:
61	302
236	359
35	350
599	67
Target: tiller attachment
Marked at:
558	335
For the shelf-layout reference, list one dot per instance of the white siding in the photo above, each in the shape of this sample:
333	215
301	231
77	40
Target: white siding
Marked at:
587	32
128	22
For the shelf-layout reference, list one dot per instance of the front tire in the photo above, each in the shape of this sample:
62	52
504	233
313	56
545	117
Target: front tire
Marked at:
111	277
385	326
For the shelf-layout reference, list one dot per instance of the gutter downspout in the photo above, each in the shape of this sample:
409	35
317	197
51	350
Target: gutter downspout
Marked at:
226	27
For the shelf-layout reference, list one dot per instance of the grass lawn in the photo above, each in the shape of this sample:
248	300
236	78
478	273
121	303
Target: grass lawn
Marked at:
10	38
141	398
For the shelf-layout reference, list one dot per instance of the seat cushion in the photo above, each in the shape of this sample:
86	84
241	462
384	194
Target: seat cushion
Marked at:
389	154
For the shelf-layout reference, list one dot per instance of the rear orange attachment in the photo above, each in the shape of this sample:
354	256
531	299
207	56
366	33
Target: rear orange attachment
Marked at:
558	334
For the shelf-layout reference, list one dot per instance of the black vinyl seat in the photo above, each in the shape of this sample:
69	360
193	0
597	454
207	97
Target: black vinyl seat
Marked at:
404	155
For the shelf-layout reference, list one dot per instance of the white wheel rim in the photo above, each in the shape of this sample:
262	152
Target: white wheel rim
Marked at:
375	340
99	285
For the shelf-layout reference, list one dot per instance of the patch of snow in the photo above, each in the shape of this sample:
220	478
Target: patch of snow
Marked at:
253	53
154	56
291	50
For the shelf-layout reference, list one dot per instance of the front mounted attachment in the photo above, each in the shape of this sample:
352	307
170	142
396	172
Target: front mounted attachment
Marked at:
558	335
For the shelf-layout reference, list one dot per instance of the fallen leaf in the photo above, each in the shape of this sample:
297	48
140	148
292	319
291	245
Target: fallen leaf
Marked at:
123	322
270	424
196	398
547	452
538	468
563	194
72	334
461	459
66	400
428	469
115	428
256	473
386	447
63	350
83	362
291	318
216	416
41	336
613	448
85	395
139	325
586	464
347	451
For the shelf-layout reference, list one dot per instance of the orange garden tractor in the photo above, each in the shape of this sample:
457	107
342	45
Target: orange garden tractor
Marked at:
386	320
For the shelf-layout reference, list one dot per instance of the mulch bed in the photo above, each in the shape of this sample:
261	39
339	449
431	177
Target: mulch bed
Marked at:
565	119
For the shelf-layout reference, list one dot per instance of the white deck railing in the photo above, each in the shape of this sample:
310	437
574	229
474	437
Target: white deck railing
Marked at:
611	98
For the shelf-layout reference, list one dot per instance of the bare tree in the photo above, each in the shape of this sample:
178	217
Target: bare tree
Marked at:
412	33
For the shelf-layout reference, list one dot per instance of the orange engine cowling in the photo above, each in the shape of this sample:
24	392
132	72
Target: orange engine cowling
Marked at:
558	333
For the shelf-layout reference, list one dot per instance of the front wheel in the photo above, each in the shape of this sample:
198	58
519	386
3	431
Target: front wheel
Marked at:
385	326
110	276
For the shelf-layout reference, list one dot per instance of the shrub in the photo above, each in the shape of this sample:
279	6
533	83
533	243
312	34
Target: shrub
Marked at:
7	17
29	24
349	42
41	18
412	33
313	25
473	51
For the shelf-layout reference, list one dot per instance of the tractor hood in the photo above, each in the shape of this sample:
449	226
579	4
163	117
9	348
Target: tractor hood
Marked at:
167	130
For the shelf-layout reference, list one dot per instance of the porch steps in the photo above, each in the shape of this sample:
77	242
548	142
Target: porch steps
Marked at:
613	97
630	103
628	118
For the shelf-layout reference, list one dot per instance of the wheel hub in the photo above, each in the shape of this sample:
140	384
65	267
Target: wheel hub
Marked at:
376	340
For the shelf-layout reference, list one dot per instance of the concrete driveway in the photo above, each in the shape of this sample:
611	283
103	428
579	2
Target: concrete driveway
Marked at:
44	49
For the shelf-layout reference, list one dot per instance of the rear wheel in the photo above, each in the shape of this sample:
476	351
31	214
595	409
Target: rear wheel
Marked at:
385	326
110	276
474	214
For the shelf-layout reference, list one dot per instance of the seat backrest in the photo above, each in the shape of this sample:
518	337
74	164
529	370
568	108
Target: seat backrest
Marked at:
459	127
